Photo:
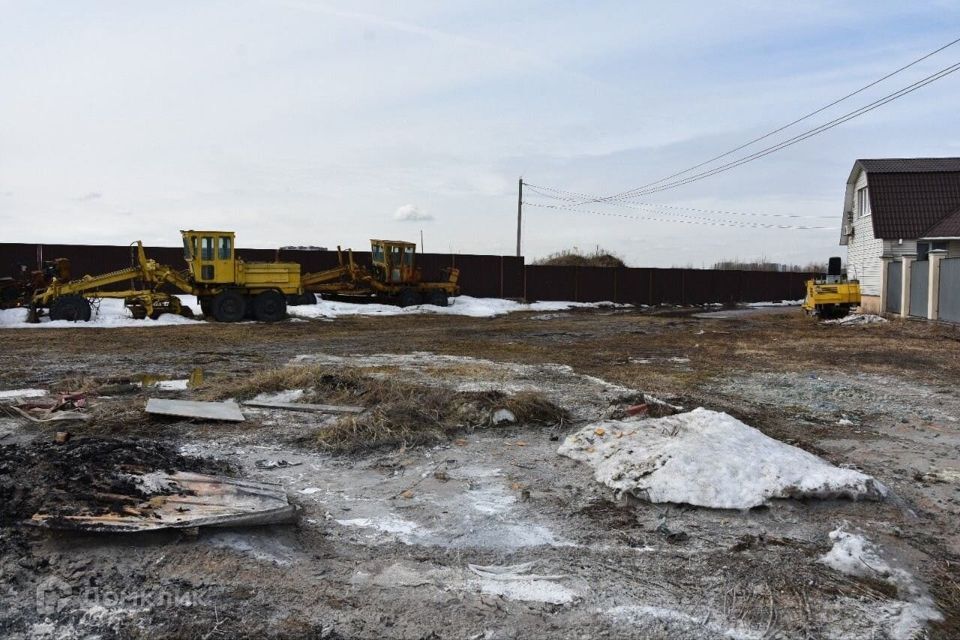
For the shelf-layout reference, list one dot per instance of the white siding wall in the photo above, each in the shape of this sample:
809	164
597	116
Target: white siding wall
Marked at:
863	250
894	248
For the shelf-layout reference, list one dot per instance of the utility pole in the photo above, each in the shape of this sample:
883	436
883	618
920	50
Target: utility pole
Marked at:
519	212
421	240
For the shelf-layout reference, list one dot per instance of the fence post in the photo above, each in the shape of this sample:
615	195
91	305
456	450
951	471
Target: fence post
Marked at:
501	276
933	283
906	270
884	271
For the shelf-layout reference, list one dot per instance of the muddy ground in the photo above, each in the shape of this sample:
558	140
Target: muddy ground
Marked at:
389	541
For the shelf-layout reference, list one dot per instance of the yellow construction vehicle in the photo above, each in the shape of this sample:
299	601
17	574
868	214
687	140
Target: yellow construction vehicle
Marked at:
393	277
227	288
832	296
230	289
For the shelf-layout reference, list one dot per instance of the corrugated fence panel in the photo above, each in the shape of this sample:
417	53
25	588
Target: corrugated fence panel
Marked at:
919	280
950	290
667	286
480	275
894	285
551	283
634	286
514	274
595	284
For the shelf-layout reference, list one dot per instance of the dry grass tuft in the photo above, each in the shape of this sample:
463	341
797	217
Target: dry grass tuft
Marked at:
316	380
399	412
406	414
118	416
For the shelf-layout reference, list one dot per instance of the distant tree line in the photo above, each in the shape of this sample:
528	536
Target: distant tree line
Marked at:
762	264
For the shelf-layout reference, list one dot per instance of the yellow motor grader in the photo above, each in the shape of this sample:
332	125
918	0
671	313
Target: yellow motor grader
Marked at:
393	277
227	288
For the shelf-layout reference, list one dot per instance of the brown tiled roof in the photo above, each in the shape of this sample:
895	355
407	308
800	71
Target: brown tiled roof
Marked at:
948	227
910	165
908	196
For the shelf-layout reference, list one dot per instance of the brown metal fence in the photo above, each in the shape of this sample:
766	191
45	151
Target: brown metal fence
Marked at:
480	275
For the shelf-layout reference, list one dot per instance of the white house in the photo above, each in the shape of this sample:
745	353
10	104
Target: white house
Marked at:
897	207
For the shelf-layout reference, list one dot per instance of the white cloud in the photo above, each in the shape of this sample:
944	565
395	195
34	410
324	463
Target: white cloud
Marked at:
410	212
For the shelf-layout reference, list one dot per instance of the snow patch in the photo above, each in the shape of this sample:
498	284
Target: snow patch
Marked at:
391	524
23	393
645	614
290	395
864	318
709	459
108	313
781	303
855	555
514	582
459	306
172	385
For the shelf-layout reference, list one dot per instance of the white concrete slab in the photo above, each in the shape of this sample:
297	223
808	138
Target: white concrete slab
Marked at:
227	411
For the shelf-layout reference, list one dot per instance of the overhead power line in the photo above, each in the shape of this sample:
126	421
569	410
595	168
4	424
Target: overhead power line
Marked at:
685	219
576	197
790	141
797	121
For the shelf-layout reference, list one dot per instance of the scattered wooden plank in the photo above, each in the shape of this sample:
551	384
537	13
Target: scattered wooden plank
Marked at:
198	500
303	406
227	411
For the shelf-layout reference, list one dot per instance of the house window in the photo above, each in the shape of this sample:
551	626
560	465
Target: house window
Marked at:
924	248
863	202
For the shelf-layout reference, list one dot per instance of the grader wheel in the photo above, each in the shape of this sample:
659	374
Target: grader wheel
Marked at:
409	298
438	298
270	306
228	306
72	308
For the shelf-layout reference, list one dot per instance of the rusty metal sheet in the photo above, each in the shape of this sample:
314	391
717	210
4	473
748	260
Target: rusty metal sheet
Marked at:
227	411
192	500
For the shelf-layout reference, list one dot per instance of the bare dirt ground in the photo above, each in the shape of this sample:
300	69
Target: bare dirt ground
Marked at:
491	534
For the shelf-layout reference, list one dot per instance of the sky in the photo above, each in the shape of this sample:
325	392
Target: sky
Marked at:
300	122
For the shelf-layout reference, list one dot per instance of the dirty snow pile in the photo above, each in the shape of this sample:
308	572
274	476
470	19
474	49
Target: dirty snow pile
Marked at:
107	313
863	318
781	303
709	459
855	555
459	306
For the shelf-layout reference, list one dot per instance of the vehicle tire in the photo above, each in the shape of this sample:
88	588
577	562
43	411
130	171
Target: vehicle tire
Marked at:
438	298
206	305
72	308
186	311
270	306
409	298
308	297
139	312
228	306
